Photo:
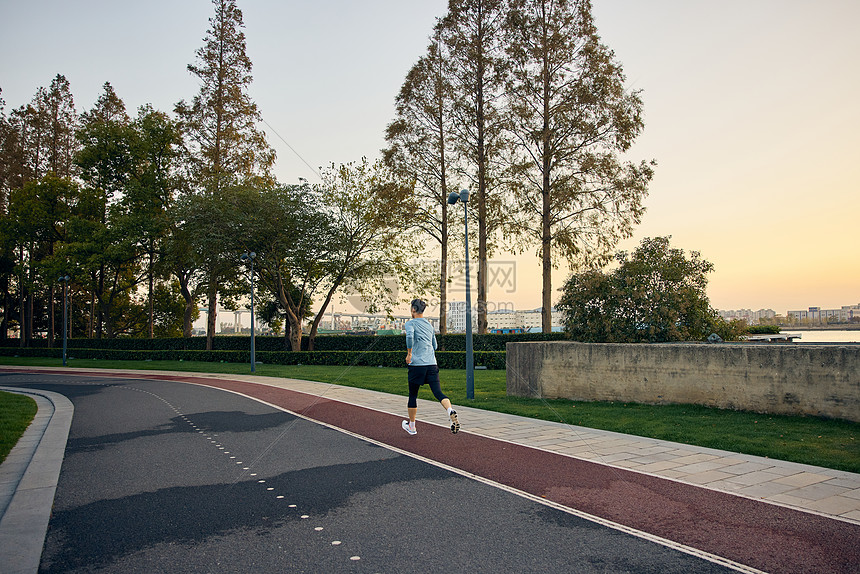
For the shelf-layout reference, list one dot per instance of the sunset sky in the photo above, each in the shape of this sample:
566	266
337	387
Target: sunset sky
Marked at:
751	111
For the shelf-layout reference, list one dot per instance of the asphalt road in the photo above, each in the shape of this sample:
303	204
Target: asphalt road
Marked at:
173	477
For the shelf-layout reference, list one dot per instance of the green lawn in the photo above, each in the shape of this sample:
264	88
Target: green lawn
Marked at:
16	414
821	442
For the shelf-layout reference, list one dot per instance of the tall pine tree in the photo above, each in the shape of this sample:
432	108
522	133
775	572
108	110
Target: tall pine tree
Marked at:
220	125
420	151
569	120
472	33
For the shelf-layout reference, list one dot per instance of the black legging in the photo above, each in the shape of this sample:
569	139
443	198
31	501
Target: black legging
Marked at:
424	374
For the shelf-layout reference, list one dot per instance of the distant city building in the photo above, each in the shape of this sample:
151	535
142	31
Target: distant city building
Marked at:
504	320
846	314
369	322
457	317
748	315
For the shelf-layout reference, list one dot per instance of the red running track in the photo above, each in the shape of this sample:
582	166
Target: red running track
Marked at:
765	536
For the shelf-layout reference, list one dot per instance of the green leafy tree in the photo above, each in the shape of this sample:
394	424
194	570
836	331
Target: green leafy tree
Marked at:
181	257
168	309
370	256
220	125
135	319
11	177
7	275
203	244
37	140
312	242
150	192
36	224
99	243
656	294
569	121
293	241
130	168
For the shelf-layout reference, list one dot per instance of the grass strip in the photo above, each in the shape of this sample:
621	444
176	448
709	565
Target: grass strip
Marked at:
817	441
16	414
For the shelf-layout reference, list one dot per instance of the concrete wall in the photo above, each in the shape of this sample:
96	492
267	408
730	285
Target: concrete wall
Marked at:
821	380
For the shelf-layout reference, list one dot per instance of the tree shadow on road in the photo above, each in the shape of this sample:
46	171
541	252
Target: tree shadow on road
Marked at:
97	534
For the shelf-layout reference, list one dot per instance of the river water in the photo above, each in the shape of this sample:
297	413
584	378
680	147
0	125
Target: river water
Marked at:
825	336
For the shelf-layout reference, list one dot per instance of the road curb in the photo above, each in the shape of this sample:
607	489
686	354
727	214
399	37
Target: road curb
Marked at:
28	478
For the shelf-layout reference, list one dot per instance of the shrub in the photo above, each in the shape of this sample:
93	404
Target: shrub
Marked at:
446	359
358	343
762	330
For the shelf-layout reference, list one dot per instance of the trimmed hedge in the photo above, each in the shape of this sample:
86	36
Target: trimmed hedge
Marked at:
763	330
359	343
347	350
445	359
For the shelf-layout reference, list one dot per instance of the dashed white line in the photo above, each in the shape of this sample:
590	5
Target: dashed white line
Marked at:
212	440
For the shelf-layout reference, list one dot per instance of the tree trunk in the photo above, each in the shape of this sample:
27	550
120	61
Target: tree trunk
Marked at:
52	311
151	302
292	326
52	329
69	315
30	305
210	319
22	318
189	305
99	294
546	256
104	312
92	319
546	214
313	334
7	307
482	204
483	270
443	283
292	323
443	239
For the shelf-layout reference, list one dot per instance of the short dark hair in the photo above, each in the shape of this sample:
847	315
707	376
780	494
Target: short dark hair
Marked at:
418	305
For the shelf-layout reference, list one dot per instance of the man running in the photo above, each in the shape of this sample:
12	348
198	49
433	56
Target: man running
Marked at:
421	358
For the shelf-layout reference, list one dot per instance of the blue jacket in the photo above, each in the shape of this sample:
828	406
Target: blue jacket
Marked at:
421	338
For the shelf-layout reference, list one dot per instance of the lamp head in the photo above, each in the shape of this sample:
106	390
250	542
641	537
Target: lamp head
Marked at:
464	195
453	197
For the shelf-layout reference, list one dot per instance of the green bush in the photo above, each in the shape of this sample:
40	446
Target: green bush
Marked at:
446	359
762	330
358	343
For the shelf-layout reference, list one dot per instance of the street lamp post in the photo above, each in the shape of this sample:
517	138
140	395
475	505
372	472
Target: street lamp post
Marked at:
250	257
453	198
65	281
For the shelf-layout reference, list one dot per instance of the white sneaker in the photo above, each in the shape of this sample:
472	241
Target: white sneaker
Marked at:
408	428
